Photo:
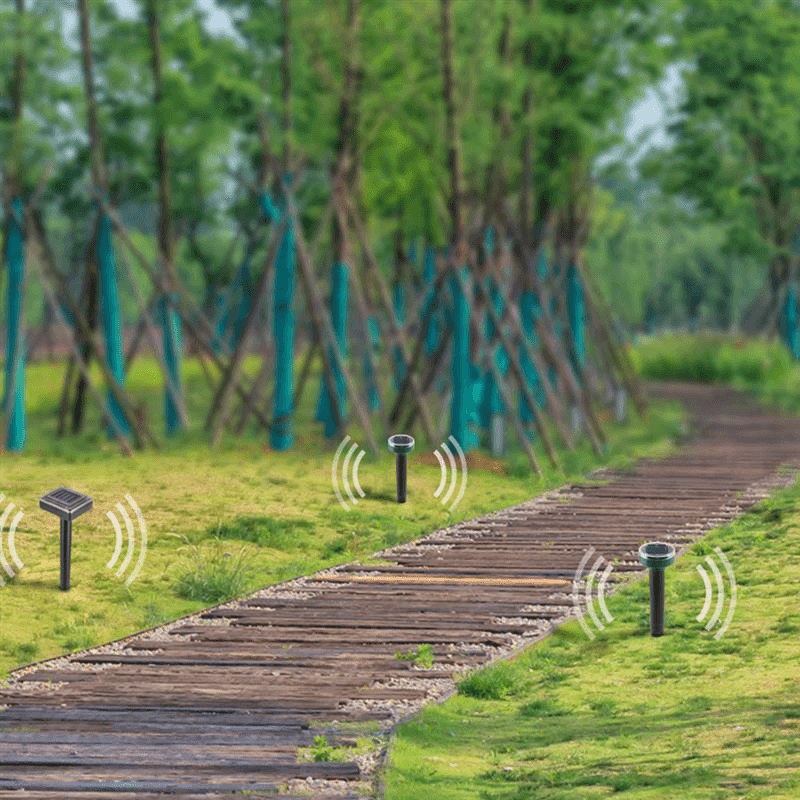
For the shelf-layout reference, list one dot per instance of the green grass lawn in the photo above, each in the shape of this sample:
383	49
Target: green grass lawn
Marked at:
225	522
682	717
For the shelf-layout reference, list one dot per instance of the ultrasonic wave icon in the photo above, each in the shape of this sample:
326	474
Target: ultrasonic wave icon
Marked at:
450	467
347	470
589	583
131	535
720	587
12	530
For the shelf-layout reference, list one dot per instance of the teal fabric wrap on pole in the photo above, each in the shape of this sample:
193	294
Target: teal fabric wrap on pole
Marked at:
14	391
790	321
283	316
373	340
412	253
400	313
491	404
173	348
339	300
429	278
461	389
268	207
575	313
112	327
485	389
233	304
221	305
529	311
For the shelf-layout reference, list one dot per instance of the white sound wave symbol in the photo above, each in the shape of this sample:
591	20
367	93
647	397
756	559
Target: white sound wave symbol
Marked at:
346	472
12	531
453	472
720	593
131	541
588	586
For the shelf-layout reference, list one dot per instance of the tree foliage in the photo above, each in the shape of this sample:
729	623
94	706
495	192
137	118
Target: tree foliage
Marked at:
737	138
560	85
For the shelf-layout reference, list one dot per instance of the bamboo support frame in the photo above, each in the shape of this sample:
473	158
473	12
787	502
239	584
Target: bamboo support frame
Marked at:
220	407
394	325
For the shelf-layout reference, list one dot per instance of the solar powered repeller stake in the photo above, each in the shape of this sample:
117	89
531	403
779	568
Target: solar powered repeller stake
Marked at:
401	444
68	505
657	556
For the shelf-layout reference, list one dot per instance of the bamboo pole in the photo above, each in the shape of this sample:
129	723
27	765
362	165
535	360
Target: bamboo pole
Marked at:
87	338
361	303
149	327
255	389
617	354
219	411
428	312
505	395
322	323
394	326
434	368
516	369
562	365
204	339
118	433
63	403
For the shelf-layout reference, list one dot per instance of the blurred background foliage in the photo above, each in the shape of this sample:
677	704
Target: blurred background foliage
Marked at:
688	232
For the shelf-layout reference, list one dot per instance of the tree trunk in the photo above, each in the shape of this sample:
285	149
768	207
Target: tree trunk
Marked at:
171	320
502	121
86	349
526	188
18	102
165	237
346	146
451	127
286	74
95	138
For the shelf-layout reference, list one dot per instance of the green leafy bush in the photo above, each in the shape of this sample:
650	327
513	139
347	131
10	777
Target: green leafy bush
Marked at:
713	358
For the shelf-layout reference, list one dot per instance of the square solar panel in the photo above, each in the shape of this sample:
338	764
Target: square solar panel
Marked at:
66	503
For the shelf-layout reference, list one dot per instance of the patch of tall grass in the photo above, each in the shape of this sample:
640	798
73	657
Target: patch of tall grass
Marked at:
212	573
713	358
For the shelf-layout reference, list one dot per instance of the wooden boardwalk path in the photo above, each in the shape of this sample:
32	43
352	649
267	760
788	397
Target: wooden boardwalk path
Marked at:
220	703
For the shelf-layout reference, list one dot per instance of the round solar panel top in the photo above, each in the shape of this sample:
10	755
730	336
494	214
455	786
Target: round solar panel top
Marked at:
401	443
656	555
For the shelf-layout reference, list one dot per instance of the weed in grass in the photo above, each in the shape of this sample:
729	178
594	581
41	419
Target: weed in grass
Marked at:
78	642
391	537
697	702
604	706
293	569
335	547
542	707
212	574
787	623
323	751
21	651
153	616
422	656
493	683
